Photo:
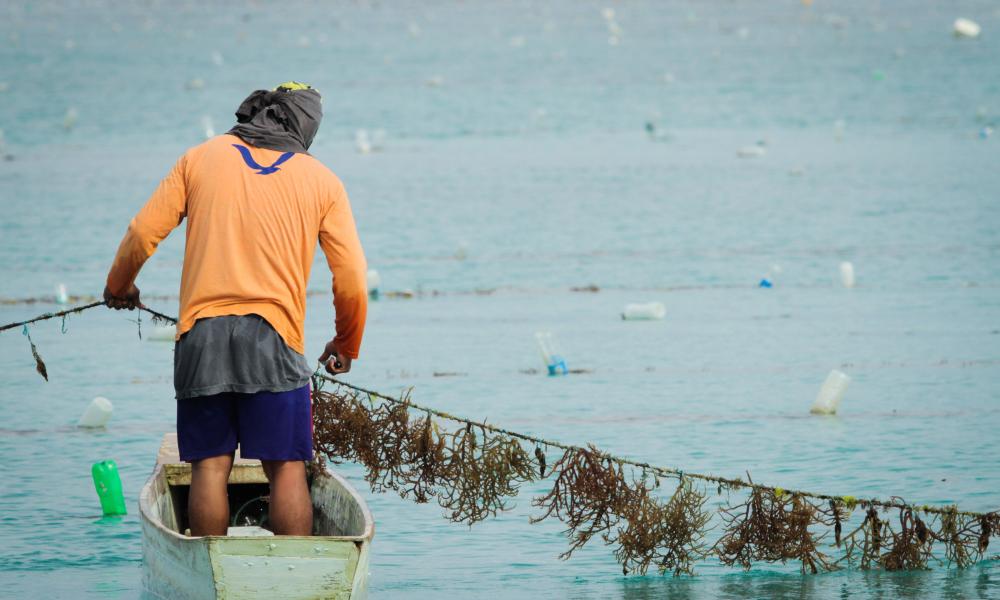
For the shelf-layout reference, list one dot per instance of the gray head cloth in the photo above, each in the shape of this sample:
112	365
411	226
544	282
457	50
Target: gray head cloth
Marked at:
285	119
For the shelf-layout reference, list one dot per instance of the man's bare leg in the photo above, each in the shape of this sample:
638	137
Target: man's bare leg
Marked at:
208	502
291	508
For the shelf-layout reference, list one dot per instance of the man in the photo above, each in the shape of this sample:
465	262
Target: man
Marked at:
256	203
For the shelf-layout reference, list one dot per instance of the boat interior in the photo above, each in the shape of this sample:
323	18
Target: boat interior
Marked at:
337	511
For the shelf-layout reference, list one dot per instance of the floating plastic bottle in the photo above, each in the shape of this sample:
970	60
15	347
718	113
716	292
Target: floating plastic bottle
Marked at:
70	118
207	127
97	414
650	311
554	361
164	333
847	274
374	280
61	296
828	399
362	141
772	273
756	151
966	28
108	484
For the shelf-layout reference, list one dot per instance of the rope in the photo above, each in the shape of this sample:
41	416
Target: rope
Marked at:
666	471
79	309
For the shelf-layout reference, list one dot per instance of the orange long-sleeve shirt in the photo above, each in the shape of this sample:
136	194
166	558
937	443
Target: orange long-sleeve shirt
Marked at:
251	237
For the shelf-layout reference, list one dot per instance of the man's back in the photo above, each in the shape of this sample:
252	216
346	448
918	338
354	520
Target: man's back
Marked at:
254	216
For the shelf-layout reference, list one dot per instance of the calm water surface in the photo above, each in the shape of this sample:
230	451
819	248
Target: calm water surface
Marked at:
516	167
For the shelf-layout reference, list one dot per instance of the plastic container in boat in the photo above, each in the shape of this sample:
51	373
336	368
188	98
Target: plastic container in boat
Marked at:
97	414
108	484
650	311
829	397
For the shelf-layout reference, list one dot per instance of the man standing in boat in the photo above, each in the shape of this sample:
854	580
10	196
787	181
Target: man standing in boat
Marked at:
256	204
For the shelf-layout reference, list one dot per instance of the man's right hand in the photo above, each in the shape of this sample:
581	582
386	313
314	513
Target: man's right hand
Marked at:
129	301
335	362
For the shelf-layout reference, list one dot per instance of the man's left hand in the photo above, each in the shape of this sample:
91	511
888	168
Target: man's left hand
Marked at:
129	300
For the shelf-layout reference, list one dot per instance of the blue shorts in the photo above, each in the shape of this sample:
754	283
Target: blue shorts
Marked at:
266	425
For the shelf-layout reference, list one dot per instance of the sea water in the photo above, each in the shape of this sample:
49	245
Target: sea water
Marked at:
517	165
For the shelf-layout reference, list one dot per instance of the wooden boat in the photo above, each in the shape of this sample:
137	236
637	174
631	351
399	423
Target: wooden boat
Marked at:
251	562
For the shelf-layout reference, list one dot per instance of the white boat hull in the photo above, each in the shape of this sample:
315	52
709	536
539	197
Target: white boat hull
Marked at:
177	566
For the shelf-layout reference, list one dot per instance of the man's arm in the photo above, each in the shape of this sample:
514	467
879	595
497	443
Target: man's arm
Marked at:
338	237
164	211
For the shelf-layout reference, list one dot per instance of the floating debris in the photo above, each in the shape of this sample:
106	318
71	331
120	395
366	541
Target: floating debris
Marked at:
70	118
373	281
828	400
966	28
847	274
554	361
756	151
207	127
650	311
165	333
839	127
195	84
97	414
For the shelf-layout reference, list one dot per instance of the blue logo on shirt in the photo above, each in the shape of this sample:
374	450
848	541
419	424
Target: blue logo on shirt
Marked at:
248	159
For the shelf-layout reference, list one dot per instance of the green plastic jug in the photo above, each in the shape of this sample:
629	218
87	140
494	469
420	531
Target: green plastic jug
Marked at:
109	487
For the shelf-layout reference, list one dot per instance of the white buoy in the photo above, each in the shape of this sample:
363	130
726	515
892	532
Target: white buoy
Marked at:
217	59
966	28
61	296
755	151
839	127
207	127
362	141
830	395
166	333
847	274
195	84
70	118
650	311
374	280
97	414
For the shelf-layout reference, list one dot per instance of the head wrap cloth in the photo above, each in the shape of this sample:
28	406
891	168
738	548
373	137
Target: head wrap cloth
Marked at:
284	119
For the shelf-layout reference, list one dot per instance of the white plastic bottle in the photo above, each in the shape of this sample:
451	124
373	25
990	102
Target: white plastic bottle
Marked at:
97	414
650	311
829	397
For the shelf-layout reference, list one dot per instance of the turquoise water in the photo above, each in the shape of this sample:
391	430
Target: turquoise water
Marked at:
516	167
